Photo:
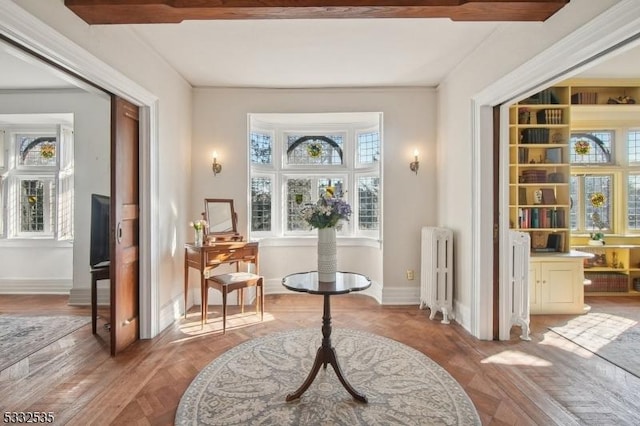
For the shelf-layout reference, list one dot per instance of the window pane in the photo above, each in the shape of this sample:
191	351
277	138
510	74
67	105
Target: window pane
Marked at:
633	203
592	185
37	150
337	183
633	146
574	183
368	203
36	197
298	194
315	150
261	148
591	147
368	147
261	204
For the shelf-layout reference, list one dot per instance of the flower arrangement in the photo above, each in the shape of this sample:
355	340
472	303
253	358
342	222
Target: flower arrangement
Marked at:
582	147
198	225
597	200
327	212
314	149
47	150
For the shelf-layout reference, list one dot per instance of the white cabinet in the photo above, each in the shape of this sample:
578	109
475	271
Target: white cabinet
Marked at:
556	285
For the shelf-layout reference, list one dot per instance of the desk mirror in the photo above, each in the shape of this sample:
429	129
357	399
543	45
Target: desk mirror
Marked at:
221	218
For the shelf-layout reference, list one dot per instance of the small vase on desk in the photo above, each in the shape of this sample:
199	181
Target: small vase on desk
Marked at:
327	254
199	237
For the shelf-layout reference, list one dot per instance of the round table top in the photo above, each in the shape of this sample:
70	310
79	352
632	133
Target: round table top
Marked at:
307	282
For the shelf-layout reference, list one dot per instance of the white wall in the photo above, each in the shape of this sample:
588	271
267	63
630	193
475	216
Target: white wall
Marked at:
501	53
220	123
49	266
123	50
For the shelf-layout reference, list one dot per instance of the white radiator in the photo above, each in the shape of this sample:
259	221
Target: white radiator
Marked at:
436	278
517	290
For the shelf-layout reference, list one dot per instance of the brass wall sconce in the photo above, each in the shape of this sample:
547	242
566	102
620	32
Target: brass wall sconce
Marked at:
215	166
415	164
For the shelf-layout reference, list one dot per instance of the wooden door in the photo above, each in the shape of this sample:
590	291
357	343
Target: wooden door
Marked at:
124	222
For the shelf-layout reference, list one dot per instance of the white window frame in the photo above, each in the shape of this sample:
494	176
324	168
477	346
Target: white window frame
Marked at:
14	173
620	169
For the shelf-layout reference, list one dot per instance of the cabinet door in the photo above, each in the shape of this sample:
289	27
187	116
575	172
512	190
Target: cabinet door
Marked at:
534	287
559	290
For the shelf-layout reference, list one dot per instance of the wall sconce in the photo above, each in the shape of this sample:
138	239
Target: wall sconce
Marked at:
415	164
215	166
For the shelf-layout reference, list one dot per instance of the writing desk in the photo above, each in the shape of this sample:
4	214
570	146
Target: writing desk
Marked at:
207	257
307	282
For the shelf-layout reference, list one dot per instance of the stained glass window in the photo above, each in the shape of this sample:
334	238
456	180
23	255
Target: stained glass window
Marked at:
298	194
37	150
321	150
261	148
591	148
261	190
368	205
368	147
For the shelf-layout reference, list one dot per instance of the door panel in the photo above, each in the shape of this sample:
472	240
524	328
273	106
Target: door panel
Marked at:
125	216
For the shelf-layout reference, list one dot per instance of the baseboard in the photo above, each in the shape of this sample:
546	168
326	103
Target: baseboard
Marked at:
82	296
35	286
401	295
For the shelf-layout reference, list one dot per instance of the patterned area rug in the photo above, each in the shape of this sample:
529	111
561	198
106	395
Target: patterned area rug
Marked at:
611	336
21	336
247	385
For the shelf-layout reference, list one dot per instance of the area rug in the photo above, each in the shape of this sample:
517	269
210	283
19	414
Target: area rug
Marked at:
248	384
614	337
21	336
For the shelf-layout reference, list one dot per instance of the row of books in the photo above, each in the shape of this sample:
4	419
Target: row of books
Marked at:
547	96
551	156
549	116
589	98
534	136
541	217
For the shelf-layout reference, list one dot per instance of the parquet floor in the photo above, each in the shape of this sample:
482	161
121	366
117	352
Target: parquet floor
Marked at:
548	381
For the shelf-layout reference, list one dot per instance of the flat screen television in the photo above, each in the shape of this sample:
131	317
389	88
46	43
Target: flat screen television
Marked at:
100	249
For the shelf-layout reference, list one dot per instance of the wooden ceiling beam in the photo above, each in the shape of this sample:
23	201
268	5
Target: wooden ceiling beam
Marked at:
174	11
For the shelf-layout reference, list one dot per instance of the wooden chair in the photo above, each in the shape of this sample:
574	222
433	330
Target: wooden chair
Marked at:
226	283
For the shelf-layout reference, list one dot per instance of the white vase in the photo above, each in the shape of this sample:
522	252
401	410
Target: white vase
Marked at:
327	254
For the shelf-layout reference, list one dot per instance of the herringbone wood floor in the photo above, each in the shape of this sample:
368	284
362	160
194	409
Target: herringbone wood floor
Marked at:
546	381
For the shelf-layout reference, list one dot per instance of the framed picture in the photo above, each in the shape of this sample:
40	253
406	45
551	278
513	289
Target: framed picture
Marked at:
548	196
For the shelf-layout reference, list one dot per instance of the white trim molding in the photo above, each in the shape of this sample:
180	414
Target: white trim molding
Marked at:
35	286
34	35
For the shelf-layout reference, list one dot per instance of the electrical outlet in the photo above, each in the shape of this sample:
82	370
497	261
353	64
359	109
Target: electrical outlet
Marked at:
410	274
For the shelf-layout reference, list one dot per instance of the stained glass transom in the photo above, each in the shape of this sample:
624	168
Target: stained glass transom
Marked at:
298	194
37	150
261	148
598	151
315	150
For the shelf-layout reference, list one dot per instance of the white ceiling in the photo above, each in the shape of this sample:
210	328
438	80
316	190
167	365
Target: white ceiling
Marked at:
302	53
315	53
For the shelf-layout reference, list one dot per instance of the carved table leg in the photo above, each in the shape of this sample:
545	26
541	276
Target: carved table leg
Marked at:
326	354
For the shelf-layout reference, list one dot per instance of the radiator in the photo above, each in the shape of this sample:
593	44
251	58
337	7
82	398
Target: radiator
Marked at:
436	278
517	297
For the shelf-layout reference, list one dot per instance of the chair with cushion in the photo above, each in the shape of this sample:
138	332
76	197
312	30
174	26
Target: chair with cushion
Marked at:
226	283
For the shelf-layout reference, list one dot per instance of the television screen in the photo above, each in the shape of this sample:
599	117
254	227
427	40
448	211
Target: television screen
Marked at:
100	217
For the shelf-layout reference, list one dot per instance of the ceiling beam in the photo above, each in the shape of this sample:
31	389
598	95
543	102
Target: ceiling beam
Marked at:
174	11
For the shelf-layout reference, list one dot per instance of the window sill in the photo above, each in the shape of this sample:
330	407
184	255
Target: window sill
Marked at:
34	243
313	241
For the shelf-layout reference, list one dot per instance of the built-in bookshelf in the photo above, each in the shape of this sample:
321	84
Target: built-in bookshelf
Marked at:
539	171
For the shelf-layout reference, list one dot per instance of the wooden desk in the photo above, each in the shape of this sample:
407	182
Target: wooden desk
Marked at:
208	257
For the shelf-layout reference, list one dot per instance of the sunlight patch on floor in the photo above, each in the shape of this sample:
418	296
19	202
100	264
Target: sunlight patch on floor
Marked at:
516	358
598	328
193	328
